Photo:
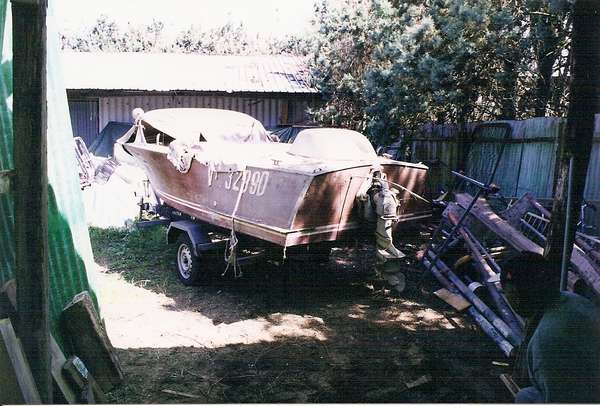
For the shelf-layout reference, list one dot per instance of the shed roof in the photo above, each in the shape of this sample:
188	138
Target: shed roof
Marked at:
185	72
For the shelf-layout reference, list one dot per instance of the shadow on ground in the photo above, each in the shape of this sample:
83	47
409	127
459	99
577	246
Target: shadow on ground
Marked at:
361	362
311	333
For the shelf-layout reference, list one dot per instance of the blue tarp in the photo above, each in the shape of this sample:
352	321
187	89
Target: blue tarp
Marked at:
105	141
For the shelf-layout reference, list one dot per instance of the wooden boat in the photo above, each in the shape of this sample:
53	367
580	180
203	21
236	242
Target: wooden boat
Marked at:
222	167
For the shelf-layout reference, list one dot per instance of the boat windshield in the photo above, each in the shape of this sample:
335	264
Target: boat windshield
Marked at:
332	144
196	125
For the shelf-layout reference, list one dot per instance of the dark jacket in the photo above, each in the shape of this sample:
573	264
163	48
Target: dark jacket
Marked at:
563	355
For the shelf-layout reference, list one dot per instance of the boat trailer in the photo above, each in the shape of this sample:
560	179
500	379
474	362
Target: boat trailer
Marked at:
205	250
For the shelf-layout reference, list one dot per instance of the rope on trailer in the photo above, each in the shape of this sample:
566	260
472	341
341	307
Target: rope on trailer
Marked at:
231	249
396	184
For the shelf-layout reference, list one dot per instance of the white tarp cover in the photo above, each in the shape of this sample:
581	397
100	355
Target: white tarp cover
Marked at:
193	124
228	141
332	144
114	203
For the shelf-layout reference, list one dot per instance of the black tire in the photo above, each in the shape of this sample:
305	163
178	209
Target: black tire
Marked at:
190	269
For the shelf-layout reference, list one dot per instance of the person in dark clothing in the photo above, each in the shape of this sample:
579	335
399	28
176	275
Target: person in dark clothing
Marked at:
562	353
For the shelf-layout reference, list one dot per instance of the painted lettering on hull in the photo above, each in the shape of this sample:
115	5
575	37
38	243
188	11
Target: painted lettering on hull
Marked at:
252	182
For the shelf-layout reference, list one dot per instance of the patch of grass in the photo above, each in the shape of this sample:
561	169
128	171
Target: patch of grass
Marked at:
137	254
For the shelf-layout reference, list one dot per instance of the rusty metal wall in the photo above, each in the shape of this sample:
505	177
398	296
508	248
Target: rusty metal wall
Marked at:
270	111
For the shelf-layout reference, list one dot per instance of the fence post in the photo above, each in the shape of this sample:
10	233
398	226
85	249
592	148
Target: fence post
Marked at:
31	186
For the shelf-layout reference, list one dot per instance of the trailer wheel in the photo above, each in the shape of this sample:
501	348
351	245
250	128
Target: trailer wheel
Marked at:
189	266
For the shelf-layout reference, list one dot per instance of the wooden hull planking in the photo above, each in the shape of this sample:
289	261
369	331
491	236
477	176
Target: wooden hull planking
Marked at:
283	207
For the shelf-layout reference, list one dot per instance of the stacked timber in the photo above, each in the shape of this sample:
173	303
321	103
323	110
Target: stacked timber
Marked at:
481	235
585	251
74	379
480	289
16	380
81	323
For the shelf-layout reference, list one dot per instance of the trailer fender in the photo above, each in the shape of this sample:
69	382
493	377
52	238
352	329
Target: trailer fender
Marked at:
198	235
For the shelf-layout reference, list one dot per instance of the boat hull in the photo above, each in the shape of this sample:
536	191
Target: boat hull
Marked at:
278	205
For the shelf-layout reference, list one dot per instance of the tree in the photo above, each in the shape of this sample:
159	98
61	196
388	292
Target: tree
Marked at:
390	66
106	36
229	39
576	142
225	40
342	53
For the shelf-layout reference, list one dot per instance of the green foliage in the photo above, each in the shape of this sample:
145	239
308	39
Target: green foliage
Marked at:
228	39
134	250
388	66
140	256
105	35
342	53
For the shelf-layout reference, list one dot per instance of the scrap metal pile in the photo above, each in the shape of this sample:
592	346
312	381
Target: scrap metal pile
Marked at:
467	250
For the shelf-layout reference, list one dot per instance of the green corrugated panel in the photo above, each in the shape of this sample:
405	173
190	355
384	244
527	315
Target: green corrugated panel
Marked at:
70	252
7	252
68	233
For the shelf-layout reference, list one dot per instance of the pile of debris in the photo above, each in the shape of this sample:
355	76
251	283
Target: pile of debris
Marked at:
467	250
114	189
83	374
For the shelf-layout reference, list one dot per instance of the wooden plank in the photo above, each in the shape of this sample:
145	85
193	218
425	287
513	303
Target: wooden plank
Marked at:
16	379
78	379
510	384
5	181
182	394
418	382
8	301
80	376
588	250
484	213
31	186
586	269
81	325
8	298
457	301
58	361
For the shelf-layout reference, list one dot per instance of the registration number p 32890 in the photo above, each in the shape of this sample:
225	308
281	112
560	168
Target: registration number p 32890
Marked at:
252	182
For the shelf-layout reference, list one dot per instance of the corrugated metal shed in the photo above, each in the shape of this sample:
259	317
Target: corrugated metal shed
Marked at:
185	72
84	119
70	252
270	111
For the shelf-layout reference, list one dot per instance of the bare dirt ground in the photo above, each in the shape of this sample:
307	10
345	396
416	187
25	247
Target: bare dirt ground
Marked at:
321	333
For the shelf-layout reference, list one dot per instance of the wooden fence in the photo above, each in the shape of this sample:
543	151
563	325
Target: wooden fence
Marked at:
528	157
